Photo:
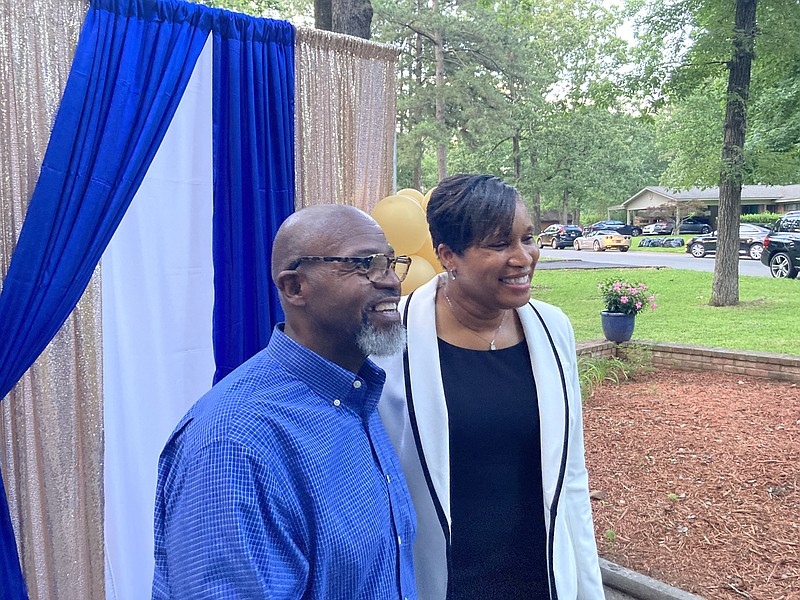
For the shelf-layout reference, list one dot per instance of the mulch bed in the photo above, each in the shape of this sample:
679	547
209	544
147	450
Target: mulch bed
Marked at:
694	477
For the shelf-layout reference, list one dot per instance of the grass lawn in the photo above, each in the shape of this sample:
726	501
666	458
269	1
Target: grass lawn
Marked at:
765	319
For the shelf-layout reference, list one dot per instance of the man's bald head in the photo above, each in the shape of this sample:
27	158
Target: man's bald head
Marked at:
314	231
333	307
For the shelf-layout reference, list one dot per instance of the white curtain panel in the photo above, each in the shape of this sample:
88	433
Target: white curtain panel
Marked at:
157	296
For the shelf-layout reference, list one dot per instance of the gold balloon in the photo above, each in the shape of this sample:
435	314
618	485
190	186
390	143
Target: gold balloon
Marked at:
412	193
428	253
426	198
419	273
403	222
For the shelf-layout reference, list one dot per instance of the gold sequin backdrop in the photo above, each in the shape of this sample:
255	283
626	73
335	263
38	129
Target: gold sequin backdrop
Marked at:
344	119
51	425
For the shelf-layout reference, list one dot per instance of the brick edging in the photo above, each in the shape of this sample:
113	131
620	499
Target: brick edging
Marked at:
768	365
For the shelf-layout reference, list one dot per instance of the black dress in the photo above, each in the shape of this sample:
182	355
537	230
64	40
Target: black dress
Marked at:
496	501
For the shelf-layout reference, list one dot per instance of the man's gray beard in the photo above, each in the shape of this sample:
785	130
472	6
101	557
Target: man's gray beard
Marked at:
381	342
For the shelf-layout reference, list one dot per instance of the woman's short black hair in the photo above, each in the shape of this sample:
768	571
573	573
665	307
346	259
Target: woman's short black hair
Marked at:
467	209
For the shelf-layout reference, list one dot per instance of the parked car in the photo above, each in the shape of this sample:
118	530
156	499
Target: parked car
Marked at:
694	225
617	226
751	242
601	240
782	248
658	228
559	236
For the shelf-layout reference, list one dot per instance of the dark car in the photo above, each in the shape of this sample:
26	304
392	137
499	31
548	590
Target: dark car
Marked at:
751	242
618	226
782	248
559	236
695	225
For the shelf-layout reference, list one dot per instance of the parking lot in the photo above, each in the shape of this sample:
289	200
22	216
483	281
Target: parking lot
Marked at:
587	260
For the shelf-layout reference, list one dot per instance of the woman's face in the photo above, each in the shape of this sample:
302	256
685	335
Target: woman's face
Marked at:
496	273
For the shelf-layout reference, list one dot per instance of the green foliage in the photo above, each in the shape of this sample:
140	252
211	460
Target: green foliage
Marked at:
638	359
681	64
690	138
761	321
532	93
610	537
761	218
593	371
621	296
294	10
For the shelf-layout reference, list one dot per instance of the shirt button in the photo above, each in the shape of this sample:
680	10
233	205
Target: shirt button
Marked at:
337	402
356	384
399	541
388	479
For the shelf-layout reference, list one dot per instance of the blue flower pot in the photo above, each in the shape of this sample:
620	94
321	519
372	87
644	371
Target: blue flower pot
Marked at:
617	327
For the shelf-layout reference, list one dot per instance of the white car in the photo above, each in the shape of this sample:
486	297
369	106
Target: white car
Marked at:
659	228
601	240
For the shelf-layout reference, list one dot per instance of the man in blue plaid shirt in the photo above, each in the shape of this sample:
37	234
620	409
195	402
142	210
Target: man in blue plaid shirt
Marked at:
281	481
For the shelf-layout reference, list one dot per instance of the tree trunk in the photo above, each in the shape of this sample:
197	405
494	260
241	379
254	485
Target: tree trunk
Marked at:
419	149
441	147
322	14
565	206
725	289
351	17
516	158
536	216
536	200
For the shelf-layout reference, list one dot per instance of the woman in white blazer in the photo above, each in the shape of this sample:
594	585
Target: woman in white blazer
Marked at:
484	410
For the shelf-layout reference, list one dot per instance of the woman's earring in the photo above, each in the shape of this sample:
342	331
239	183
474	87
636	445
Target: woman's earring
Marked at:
452	273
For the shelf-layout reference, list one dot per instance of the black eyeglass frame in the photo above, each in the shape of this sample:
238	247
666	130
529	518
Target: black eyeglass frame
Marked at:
365	262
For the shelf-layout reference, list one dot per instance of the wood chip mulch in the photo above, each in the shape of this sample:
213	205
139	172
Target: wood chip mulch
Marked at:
694	478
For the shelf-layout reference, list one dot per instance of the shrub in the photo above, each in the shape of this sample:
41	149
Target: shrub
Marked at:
760	219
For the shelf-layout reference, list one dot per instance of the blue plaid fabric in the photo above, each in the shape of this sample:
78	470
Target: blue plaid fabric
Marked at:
281	482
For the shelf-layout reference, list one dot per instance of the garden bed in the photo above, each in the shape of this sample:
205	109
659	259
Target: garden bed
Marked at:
694	480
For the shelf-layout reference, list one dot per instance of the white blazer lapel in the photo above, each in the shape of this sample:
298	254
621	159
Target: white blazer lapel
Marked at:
429	406
551	395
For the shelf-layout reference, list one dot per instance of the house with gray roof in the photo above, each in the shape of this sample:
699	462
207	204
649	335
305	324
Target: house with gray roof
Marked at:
654	202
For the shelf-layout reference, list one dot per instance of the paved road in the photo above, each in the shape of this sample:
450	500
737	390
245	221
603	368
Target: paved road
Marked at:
650	259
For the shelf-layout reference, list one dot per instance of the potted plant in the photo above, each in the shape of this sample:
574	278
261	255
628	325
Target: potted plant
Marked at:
623	300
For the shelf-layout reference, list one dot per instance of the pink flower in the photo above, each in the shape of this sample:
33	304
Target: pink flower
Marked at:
653	306
624	299
638	306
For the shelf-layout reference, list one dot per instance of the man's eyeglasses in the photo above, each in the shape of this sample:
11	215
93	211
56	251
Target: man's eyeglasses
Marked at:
376	267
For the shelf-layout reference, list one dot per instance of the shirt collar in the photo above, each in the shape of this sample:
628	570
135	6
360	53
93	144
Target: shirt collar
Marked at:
360	392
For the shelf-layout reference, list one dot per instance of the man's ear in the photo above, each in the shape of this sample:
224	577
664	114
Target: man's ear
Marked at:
291	285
